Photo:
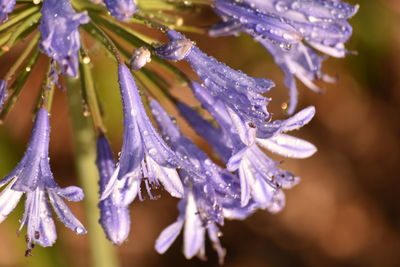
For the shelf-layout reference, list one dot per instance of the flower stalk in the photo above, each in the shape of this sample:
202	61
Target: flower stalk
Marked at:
102	252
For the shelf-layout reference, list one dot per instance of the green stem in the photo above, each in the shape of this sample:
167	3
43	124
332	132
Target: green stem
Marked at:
18	84
103	254
96	31
32	44
134	38
27	24
90	92
17	18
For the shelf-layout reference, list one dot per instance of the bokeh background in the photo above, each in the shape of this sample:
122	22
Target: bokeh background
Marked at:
345	212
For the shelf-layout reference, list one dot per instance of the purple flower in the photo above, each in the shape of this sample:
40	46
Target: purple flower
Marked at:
237	90
260	177
144	153
114	210
301	62
60	34
257	23
6	7
211	194
3	92
212	134
194	232
121	9
174	50
321	24
33	177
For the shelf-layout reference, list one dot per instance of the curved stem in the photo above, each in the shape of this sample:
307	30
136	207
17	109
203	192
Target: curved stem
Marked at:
27	24
32	44
103	254
89	90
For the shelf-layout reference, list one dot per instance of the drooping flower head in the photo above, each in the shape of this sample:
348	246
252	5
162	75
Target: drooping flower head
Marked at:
33	177
60	35
213	135
6	7
210	194
301	62
114	215
144	153
237	90
121	9
260	177
319	24
256	22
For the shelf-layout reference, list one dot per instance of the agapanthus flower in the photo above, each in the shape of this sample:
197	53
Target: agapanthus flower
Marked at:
33	177
233	182
60	35
209	191
237	90
3	92
114	212
320	24
260	177
144	153
205	129
301	62
6	7
121	9
256	22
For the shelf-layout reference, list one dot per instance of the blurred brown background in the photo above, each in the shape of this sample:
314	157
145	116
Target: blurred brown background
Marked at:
345	212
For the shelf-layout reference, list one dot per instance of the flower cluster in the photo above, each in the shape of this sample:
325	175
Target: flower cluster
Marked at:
242	131
290	30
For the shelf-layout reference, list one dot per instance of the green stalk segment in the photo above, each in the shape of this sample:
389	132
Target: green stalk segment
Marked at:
103	254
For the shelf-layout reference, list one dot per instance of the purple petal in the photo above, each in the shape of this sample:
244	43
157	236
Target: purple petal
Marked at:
71	193
64	213
288	146
30	168
126	190
115	221
3	92
168	236
299	119
226	28
8	201
246	175
167	176
213	234
234	162
132	152
121	9
60	34
211	134
194	232
259	23
302	10
40	225
104	161
6	7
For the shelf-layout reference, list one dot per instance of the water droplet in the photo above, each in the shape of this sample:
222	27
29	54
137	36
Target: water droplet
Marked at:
152	151
79	230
